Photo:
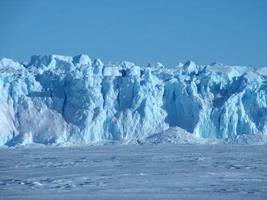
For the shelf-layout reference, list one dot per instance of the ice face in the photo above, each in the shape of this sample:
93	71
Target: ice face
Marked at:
61	99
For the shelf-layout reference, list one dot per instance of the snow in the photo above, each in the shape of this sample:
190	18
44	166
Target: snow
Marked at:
111	71
81	60
134	172
190	67
67	100
262	71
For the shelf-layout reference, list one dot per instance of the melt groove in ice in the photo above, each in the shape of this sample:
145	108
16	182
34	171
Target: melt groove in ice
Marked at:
73	100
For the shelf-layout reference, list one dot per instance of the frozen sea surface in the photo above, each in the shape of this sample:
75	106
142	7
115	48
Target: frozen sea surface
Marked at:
134	172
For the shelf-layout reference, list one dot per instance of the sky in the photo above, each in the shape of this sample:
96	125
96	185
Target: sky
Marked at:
168	31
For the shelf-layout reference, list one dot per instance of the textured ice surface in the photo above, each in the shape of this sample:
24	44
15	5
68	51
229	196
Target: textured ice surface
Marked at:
74	100
188	172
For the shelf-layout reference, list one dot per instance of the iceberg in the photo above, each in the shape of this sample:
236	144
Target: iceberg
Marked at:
56	99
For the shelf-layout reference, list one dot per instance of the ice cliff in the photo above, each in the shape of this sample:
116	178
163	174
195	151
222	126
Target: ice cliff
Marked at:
73	100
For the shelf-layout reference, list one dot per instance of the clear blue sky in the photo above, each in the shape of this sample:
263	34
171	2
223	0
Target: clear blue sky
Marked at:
142	31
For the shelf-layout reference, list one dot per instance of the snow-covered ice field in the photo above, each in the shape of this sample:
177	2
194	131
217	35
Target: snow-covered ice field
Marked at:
134	172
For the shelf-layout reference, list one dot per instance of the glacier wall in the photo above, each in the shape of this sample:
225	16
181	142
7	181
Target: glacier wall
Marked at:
59	99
